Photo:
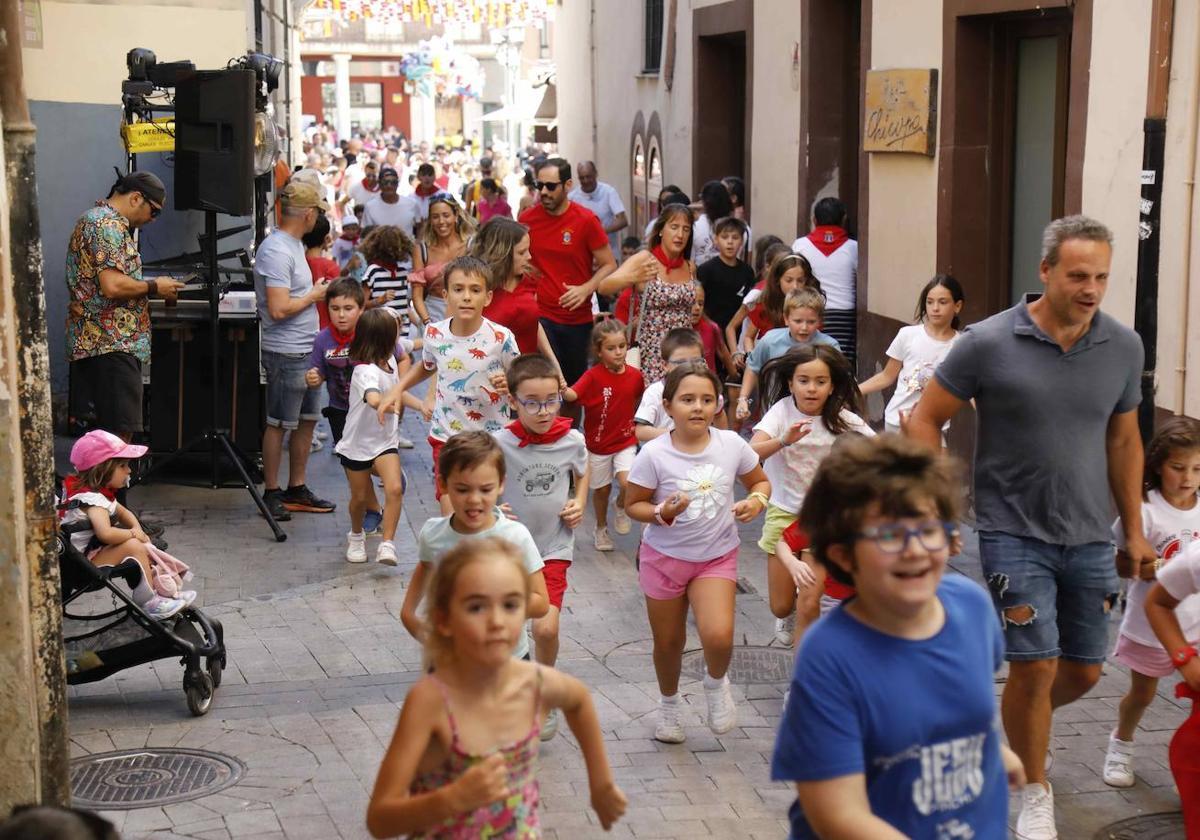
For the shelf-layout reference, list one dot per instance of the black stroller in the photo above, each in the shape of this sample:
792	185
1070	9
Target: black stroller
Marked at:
102	643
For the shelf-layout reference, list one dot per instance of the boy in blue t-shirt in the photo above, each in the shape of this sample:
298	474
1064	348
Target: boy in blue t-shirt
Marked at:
890	727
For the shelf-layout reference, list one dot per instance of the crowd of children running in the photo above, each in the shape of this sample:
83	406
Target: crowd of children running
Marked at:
900	741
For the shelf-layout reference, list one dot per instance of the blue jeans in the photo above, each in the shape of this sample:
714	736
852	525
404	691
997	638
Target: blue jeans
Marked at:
1054	600
289	399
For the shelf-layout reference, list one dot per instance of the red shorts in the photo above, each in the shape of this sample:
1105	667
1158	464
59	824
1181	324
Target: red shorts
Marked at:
436	445
555	573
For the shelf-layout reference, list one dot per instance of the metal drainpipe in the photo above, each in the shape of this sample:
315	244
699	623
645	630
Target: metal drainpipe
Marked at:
37	432
1145	316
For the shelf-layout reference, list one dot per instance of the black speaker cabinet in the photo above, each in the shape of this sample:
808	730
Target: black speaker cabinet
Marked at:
181	388
214	141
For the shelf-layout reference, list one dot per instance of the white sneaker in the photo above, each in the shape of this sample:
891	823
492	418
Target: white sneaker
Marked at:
722	713
669	730
785	630
550	727
160	608
316	445
188	596
602	540
356	548
319	434
1036	820
1118	763
403	443
386	553
621	522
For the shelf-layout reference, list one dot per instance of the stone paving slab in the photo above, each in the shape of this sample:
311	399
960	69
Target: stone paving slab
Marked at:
319	665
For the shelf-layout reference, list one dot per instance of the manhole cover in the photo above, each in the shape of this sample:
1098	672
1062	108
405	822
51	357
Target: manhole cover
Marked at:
749	665
141	778
1148	827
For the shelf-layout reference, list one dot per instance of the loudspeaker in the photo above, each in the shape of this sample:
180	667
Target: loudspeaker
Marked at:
214	141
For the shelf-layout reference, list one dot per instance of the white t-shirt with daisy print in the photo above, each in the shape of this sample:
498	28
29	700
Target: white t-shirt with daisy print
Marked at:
791	470
707	529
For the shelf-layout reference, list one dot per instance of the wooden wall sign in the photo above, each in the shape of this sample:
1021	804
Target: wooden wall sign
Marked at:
901	111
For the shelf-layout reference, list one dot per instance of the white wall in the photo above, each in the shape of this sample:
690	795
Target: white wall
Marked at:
902	224
775	139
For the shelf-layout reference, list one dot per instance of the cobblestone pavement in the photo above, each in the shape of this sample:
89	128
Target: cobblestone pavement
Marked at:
319	664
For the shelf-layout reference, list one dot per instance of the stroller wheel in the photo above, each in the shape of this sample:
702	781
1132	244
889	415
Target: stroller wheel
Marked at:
199	690
216	668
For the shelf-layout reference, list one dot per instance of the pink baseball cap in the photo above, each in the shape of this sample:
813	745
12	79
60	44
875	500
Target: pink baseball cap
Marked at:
98	446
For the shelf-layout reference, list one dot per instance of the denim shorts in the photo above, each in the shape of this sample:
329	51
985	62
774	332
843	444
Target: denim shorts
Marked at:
289	399
1053	600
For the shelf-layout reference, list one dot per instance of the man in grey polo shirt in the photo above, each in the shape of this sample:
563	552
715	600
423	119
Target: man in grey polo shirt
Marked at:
283	285
1056	388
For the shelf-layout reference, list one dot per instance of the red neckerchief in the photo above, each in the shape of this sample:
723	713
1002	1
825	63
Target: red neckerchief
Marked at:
339	343
72	486
424	191
558	428
661	256
351	239
828	238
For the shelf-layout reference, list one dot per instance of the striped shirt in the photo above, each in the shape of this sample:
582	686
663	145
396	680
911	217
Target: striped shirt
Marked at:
380	279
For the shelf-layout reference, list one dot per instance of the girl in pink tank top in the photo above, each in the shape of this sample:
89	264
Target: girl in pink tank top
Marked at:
462	762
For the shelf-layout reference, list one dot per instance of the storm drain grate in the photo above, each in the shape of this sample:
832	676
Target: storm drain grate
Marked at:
1149	827
141	778
749	665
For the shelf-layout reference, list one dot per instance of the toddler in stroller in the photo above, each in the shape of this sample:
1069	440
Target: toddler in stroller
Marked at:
107	533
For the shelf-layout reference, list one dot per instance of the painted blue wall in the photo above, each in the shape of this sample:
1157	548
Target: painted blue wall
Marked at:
77	147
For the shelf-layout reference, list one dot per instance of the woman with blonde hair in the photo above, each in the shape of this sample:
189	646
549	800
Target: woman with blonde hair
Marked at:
445	238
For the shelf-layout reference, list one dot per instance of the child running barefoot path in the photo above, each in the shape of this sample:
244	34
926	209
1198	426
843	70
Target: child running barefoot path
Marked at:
545	456
609	393
1171	523
471	474
890	728
469	354
682	485
463	760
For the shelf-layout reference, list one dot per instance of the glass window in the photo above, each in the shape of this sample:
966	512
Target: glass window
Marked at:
654	36
637	172
366	104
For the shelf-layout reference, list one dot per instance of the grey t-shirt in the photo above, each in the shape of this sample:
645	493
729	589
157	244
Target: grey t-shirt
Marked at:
1041	465
537	485
279	262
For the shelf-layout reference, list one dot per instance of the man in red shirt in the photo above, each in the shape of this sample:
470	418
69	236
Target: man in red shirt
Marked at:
571	255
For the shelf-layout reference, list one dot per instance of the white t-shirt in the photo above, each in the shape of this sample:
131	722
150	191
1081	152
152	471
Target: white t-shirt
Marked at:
792	469
1181	579
706	530
704	247
838	272
464	399
605	202
919	354
402	214
1173	533
437	537
365	437
652	412
88	499
359	194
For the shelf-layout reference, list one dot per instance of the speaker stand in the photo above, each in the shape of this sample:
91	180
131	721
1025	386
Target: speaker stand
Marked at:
214	438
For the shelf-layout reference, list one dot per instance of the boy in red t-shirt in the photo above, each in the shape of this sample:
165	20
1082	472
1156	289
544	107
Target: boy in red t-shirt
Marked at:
609	393
819	592
316	242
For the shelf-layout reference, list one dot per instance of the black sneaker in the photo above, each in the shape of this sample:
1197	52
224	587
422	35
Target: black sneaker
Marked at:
274	502
301	499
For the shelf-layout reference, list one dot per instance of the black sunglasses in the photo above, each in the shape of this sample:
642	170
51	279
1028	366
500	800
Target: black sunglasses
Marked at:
154	208
547	185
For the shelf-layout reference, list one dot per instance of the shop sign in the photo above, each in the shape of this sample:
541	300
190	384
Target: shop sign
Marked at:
901	111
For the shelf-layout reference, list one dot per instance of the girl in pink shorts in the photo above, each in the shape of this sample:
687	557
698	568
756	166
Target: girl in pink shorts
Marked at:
682	485
1171	521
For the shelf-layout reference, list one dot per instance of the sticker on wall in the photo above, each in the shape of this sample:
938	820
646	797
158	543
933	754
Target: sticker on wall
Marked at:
1147	206
1148	177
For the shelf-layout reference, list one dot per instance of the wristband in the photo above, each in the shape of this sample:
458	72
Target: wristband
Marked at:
153	284
1183	656
762	497
659	517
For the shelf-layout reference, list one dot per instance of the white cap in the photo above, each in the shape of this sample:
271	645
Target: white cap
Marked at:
349	219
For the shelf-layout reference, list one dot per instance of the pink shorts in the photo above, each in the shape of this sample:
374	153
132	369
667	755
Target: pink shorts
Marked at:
1148	660
664	578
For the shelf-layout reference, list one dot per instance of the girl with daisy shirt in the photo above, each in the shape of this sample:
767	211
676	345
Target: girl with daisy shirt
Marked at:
682	485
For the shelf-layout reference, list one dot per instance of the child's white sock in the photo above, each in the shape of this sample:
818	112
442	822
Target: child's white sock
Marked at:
142	592
711	682
673	700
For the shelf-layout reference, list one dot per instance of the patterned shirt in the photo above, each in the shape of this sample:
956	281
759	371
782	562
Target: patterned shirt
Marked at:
97	324
465	399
